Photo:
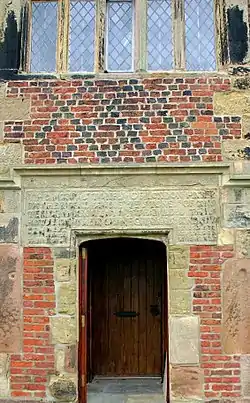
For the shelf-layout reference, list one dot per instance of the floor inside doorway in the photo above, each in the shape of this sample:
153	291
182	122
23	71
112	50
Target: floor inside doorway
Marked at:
125	390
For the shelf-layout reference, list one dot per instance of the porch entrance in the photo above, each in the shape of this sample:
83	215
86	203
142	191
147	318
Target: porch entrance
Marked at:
124	331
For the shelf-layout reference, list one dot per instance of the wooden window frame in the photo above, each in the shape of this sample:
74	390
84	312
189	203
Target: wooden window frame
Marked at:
139	32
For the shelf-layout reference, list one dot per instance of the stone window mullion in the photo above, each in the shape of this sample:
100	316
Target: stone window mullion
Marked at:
100	36
140	50
63	36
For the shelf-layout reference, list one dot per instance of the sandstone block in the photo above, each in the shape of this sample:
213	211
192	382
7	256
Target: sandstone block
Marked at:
180	302
1	131
2	90
226	237
184	340
236	306
186	383
4	361
70	358
63	389
67	299
234	150
10	201
178	257
179	280
243	243
10	155
62	269
4	386
245	375
232	103
10	300
64	330
14	109
246	126
60	359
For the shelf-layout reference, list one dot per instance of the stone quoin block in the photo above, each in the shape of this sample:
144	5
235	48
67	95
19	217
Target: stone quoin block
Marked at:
243	243
14	109
10	155
63	330
236	306
226	236
180	302
62	269
178	257
235	150
184	331
63	389
179	280
186	382
10	299
67	299
245	375
232	103
4	375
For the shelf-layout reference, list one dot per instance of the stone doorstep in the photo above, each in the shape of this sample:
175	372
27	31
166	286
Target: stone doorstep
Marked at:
113	398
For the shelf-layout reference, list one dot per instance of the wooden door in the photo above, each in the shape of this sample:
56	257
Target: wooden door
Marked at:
127	292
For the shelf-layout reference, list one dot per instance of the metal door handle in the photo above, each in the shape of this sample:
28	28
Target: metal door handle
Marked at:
126	314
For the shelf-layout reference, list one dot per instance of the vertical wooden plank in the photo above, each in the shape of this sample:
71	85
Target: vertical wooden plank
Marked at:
142	350
152	339
83	299
63	36
100	36
128	323
134	321
158	286
179	34
140	51
104	335
221	33
113	329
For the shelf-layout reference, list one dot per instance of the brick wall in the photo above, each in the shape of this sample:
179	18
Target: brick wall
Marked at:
221	372
30	370
125	120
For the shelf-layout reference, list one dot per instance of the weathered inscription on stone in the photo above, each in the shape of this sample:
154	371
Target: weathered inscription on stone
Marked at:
51	215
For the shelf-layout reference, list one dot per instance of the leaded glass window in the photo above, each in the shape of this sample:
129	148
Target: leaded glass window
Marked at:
122	36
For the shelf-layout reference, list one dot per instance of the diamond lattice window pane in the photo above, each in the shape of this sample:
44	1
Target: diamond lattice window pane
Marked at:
44	36
119	36
82	35
160	44
200	35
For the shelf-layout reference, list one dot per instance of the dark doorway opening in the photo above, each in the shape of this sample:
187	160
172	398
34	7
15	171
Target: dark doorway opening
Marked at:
125	309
